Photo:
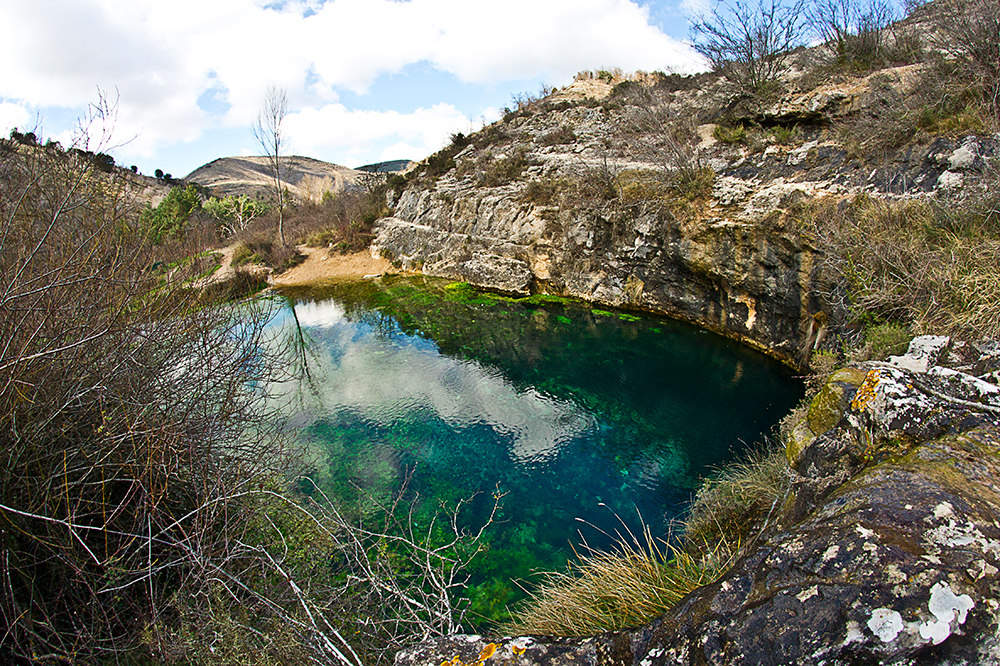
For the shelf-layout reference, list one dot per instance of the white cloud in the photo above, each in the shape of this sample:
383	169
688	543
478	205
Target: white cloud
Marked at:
14	115
334	126
695	7
163	56
408	378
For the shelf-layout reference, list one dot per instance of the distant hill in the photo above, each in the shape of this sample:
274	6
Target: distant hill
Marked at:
305	177
392	166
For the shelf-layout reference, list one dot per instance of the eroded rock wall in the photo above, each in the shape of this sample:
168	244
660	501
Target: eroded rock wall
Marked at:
517	210
736	278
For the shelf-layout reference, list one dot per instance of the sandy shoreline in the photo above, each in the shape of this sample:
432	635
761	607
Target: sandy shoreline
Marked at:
320	266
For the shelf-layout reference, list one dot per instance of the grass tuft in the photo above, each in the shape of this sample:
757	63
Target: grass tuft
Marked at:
740	501
607	591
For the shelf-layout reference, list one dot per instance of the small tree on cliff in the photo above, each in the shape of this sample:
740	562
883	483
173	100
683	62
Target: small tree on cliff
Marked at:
748	41
268	131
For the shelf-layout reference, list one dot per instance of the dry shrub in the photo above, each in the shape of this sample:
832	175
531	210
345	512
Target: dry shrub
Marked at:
930	263
969	31
144	482
558	136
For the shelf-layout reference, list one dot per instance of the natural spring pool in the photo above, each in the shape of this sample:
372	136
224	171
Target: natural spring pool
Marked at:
576	413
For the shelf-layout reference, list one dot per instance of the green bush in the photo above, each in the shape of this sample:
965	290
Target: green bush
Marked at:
884	340
730	134
693	183
170	218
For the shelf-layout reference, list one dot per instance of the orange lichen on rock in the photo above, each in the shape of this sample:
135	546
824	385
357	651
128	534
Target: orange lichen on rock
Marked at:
866	391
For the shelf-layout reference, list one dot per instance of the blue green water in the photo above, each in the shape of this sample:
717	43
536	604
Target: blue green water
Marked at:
576	414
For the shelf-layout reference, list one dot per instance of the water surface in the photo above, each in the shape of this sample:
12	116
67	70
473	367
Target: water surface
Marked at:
576	414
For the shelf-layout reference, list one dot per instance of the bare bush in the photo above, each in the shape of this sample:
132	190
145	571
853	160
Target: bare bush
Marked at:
143	479
854	31
969	31
749	42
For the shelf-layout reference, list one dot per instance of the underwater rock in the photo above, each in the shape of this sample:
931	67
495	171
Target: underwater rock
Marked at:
489	271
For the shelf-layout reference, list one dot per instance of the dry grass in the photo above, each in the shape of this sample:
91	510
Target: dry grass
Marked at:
642	577
606	591
740	502
934	265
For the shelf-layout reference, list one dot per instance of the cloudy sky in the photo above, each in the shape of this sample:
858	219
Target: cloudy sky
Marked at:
367	80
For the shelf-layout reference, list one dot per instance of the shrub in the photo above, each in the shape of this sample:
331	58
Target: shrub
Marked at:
783	134
884	340
730	134
504	169
749	42
242	255
171	217
930	265
692	182
542	192
643	185
969	31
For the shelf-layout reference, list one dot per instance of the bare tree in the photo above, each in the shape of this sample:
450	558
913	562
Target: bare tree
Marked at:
267	129
748	42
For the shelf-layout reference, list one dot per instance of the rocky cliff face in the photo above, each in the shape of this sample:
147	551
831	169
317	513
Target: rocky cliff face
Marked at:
888	550
583	197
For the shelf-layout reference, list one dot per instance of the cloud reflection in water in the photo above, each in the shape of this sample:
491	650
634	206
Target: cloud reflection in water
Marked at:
384	379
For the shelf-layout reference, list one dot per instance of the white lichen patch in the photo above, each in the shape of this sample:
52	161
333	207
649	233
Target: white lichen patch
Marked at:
831	553
865	532
854	633
946	607
886	624
944	510
954	535
806	595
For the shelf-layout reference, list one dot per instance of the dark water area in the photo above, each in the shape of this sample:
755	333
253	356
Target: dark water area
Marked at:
581	416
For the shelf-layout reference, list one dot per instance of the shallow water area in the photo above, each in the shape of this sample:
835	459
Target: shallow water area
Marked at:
575	413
